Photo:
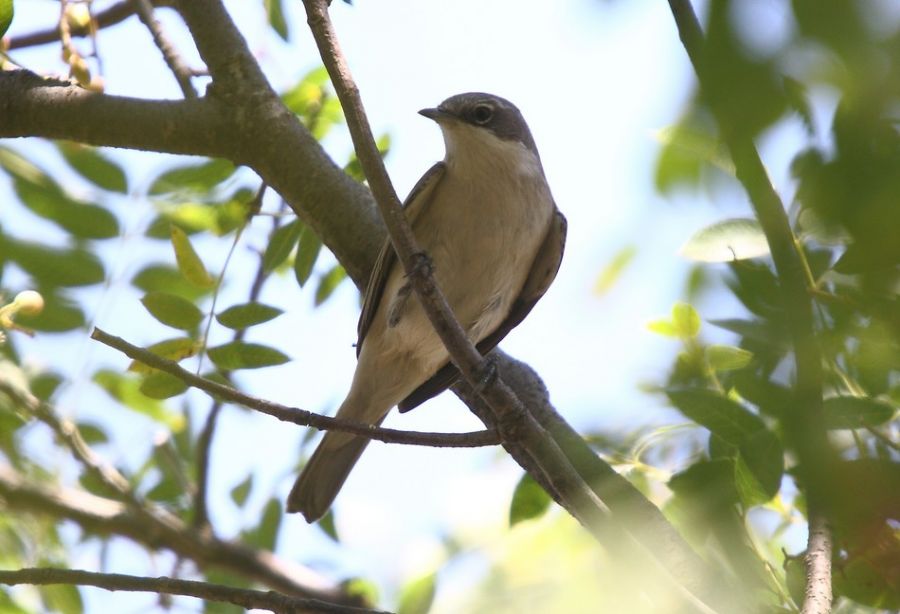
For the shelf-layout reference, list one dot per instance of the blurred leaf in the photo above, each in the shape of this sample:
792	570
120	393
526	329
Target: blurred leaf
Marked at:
307	253
240	492
173	310
354	168
417	596
328	282
6	15
45	384
726	241
265	534
126	391
247	314
176	349
727	358
84	220
758	468
165	278
326	523
529	501
94	166
241	355
63	598
614	269
281	242
855	412
872	583
193	178
218	218
189	262
92	433
686	149
161	385
686	320
717	413
663	327
55	267
59	315
275	12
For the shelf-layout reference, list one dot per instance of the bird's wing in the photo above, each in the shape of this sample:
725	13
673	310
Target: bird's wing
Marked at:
543	272
416	201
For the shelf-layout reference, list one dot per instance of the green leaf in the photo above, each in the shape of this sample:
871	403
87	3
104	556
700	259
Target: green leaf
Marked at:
63	598
265	535
326	523
241	355
248	314
664	327
758	468
60	315
727	241
189	262
417	596
354	168
529	501
281	242
43	385
328	282
193	178
855	412
84	220
165	278
172	310
307	253
687	149
218	218
719	414
608	277
175	349
240	492
94	166
275	12
727	358
6	15
161	385
686	320
126	391
92	433
55	267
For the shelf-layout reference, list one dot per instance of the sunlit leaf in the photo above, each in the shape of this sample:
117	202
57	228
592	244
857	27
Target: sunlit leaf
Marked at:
189	262
663	327
172	310
171	349
247	314
727	358
417	596
126	390
686	320
166	278
94	166
161	385
529	501
281	242
193	178
328	282
241	355
614	269
6	15
728	240
63	598
219	218
275	12
855	412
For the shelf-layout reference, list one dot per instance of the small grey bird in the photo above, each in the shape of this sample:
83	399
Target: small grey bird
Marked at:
487	219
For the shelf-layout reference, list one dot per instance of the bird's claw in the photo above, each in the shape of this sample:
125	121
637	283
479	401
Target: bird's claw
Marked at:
487	374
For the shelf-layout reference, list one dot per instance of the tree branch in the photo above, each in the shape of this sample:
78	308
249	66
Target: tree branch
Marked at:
181	71
101	516
804	425
246	598
817	596
107	17
293	414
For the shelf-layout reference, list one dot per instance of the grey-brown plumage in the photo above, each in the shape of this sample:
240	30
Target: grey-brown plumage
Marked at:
487	219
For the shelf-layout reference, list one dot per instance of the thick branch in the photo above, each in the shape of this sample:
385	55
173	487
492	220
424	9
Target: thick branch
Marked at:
246	598
100	516
292	414
818	595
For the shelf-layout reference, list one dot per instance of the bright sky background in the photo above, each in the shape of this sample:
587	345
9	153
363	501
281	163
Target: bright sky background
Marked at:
595	80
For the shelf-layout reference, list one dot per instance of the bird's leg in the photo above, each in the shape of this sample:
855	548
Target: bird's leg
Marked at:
487	373
422	265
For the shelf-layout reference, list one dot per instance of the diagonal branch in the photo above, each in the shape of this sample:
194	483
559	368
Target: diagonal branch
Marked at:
181	71
246	598
292	414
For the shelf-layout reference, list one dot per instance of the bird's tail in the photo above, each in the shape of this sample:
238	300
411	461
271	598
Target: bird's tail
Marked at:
324	474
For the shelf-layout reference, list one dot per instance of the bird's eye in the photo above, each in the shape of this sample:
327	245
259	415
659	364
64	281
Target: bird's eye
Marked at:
482	114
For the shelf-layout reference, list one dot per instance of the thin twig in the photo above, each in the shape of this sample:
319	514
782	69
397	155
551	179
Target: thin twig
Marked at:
294	415
181	71
246	598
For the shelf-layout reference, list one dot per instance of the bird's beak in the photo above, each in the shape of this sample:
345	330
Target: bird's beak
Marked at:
436	114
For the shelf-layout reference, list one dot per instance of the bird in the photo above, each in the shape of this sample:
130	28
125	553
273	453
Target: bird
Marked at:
494	236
